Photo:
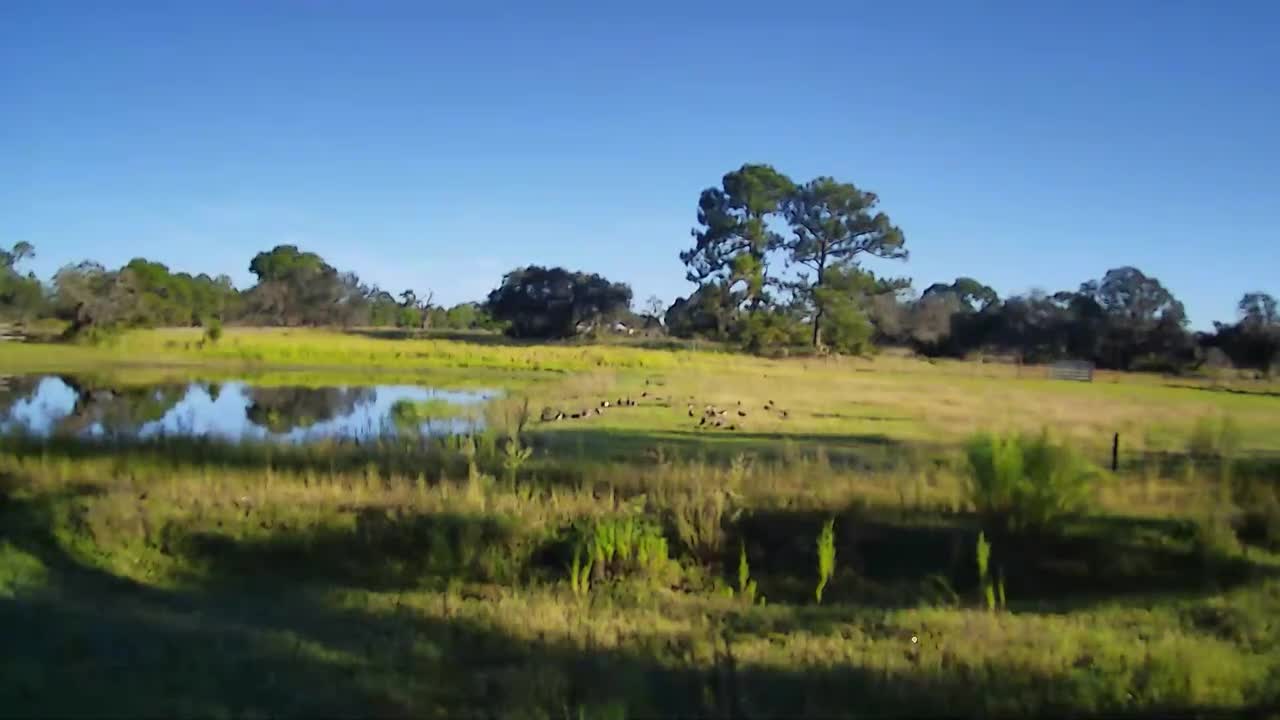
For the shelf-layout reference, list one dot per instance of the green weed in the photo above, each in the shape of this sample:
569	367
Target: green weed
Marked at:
826	557
985	585
746	586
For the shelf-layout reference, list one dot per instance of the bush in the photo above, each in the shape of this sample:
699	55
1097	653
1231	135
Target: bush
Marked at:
213	331
1026	482
765	331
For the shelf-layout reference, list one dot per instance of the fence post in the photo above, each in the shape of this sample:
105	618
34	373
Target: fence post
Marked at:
1115	452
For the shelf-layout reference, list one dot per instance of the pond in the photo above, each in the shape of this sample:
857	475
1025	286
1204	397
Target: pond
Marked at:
69	405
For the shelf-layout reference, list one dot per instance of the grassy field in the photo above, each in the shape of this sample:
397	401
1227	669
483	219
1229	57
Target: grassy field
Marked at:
635	562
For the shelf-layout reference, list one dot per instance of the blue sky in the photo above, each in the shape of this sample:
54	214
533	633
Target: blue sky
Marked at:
430	146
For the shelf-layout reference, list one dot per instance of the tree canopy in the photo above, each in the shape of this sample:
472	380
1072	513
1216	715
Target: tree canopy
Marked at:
733	239
539	302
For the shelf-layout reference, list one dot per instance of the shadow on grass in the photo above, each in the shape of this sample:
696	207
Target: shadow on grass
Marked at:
561	456
1258	392
380	549
901	559
865	451
82	641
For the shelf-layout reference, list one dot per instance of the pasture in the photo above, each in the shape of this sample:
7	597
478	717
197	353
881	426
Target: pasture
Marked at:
658	555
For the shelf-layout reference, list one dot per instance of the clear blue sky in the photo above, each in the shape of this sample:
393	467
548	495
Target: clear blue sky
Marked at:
1026	144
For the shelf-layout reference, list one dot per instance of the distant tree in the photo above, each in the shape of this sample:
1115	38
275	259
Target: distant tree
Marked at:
833	223
416	311
9	259
772	329
1140	317
177	299
539	302
1254	341
89	296
733	239
1030	325
973	295
973	310
383	309
1258	309
300	288
468	316
841	300
931	319
654	308
705	313
21	297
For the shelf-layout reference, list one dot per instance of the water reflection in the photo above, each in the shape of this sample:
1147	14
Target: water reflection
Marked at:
79	406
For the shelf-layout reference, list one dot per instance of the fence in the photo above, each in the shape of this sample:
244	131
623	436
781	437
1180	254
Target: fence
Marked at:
1071	370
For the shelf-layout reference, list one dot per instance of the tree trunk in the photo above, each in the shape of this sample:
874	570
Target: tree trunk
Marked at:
817	306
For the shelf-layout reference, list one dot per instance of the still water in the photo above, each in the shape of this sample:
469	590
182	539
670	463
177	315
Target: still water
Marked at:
53	404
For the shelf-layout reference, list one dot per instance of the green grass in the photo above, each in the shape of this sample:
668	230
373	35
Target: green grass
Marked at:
411	577
897	398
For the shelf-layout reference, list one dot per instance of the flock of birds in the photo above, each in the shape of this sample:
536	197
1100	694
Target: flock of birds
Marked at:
709	416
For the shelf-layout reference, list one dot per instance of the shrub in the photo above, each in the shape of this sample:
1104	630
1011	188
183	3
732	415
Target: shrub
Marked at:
1026	482
766	331
213	331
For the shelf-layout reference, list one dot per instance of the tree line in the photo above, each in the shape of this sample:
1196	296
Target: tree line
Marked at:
777	265
293	288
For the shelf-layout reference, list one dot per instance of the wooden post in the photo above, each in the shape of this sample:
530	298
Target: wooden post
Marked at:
1115	452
